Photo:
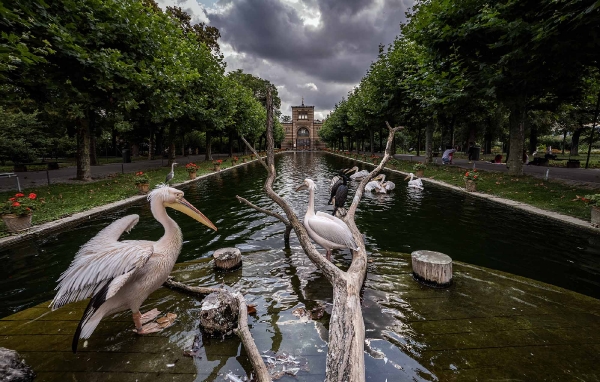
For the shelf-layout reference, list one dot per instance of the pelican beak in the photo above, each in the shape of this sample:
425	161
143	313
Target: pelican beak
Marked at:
407	177
191	211
302	187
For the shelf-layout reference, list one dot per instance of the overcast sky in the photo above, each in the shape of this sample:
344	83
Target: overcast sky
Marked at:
316	49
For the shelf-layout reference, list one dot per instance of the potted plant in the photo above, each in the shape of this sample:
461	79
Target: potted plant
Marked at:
17	212
471	178
192	169
217	164
141	180
594	202
375	159
251	156
235	160
419	169
244	160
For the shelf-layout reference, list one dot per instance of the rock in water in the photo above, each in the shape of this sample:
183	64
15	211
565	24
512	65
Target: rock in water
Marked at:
228	258
13	368
219	314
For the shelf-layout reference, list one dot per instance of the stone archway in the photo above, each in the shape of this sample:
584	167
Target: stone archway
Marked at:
303	139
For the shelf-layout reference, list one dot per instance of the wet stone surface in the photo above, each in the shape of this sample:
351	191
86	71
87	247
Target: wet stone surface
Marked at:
488	324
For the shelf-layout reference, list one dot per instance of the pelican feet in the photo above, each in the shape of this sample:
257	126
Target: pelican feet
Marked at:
155	326
328	255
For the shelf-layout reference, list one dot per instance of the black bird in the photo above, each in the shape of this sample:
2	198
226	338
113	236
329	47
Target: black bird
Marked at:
341	194
336	181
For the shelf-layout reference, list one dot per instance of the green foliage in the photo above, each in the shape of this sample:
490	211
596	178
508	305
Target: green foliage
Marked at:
472	175
592	200
141	178
21	136
419	167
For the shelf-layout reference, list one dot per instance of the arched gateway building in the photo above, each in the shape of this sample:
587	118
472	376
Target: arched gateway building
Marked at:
303	132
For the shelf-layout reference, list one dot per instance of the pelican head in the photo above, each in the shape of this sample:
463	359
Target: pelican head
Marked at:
173	198
351	170
380	177
307	185
410	175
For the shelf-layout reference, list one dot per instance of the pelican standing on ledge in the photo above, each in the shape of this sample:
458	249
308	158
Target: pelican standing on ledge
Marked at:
170	175
416	183
326	230
120	275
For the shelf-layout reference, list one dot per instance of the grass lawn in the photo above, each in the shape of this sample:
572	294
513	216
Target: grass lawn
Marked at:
62	200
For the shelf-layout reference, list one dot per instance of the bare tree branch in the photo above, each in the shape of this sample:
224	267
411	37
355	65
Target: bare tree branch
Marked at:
264	211
241	331
326	267
255	153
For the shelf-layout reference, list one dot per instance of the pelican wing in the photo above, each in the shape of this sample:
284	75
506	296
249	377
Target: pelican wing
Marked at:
359	175
332	229
389	185
372	185
102	260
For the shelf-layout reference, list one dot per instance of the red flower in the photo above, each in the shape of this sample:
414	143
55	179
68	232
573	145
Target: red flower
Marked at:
19	195
28	209
467	174
32	196
16	204
12	199
475	177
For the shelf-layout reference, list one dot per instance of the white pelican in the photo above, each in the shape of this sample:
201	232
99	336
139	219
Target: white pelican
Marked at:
416	183
170	175
326	230
120	275
359	174
379	185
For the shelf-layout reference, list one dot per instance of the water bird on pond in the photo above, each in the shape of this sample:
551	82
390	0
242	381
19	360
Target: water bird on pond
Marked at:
326	230
336	181
379	185
120	275
358	175
170	175
414	183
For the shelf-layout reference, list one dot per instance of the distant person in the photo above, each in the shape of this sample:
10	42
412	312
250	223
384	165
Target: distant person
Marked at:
447	156
471	151
497	159
525	157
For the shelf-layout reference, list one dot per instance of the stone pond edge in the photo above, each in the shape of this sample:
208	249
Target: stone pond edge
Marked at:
78	217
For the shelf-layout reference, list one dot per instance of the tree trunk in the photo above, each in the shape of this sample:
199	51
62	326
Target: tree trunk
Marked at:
208	155
93	154
83	151
150	145
171	153
429	142
516	121
419	141
372	141
533	139
575	140
564	141
230	144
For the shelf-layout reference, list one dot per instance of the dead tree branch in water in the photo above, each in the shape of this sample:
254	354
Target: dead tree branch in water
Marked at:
241	331
345	356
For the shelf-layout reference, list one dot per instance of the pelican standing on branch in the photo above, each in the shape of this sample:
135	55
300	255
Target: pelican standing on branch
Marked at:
341	194
170	175
416	183
337	181
120	275
326	230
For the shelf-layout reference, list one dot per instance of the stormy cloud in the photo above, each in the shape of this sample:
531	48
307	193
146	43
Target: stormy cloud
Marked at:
316	49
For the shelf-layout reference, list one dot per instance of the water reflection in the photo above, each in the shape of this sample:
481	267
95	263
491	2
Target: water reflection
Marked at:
281	280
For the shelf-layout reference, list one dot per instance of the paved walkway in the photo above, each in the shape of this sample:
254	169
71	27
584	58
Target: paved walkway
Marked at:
30	179
579	176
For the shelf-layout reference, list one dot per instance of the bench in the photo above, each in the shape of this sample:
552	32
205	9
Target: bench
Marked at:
11	175
22	167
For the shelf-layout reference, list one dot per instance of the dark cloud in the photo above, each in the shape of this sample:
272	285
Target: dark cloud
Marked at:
339	50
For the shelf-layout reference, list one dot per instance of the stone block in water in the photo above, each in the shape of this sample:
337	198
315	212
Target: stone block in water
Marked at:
13	368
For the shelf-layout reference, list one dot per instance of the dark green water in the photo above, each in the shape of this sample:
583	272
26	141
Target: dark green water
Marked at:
405	341
467	229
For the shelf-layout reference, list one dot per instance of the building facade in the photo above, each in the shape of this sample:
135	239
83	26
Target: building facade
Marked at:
302	133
